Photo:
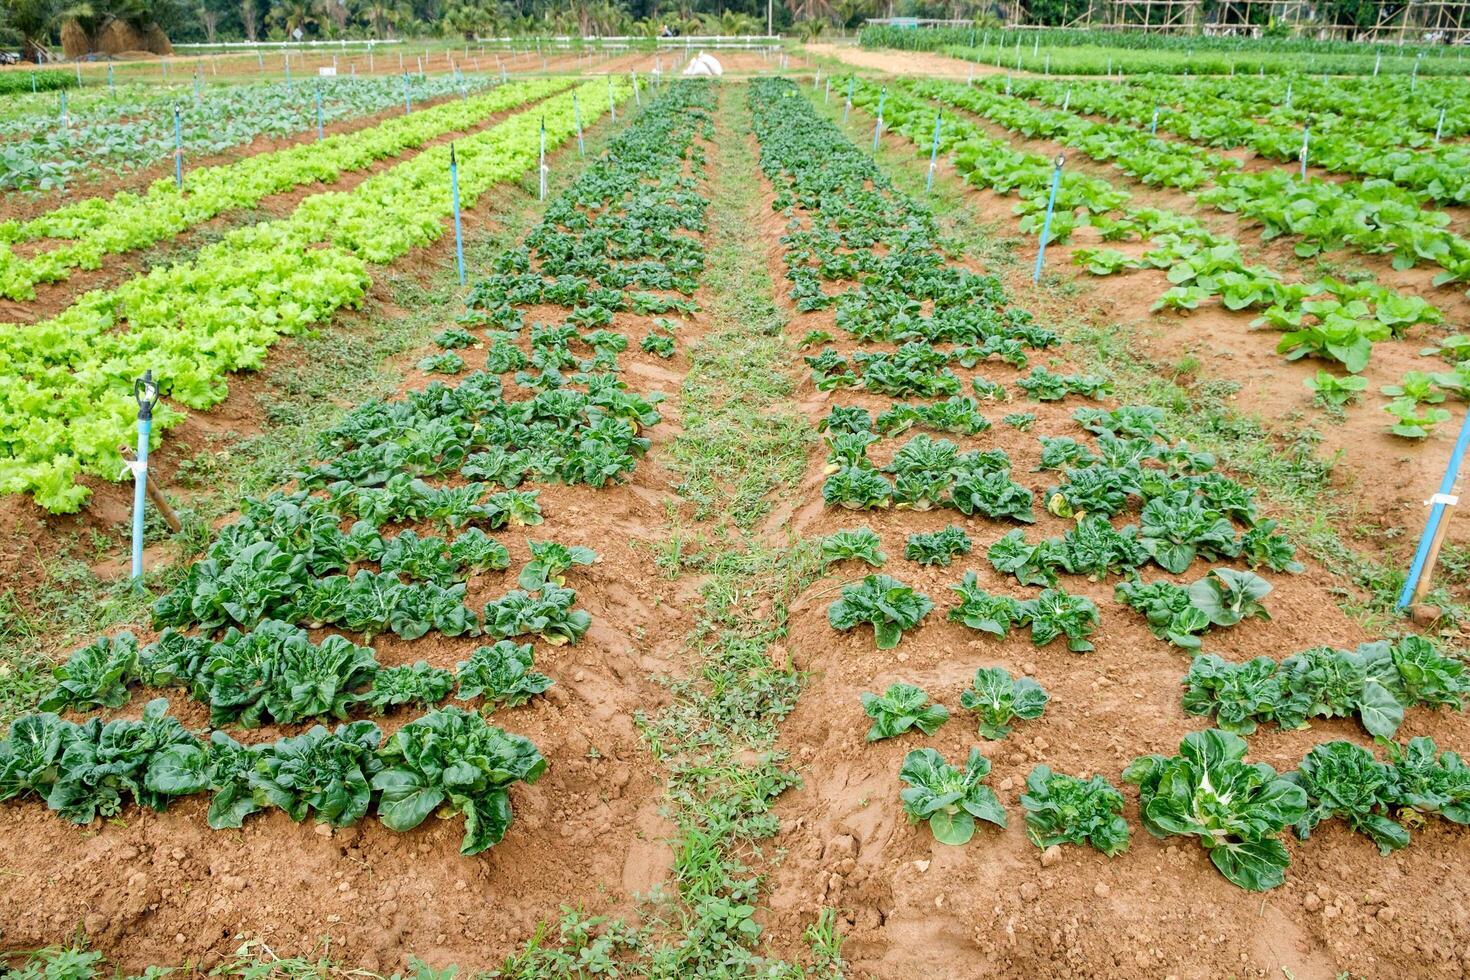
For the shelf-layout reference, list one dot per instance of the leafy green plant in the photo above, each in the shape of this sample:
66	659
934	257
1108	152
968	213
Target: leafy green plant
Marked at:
90	770
417	684
550	562
949	799
1334	392
1031	564
1055	613
274	672
1169	609
1020	421
659	344
854	544
453	759
1410	422
1343	780
447	362
501	674
980	610
1062	809
1228	597
96	676
1235	808
1094	548
547	613
901	707
1177	527
1425	780
1417	387
328	774
857	488
1238	695
1375	683
998	699
889	605
991	493
938	547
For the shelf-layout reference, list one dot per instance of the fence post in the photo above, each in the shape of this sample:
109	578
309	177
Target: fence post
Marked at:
1051	203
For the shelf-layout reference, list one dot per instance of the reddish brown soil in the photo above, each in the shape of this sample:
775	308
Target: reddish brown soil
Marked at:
922	63
1384	479
589	834
163	888
911	907
30	538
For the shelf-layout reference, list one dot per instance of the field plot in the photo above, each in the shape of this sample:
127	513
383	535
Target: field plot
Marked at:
749	569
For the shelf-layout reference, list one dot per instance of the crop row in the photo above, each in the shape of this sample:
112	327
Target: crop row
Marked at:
122	134
1080	52
850	228
1329	319
1275	131
67	379
1375	217
88	231
305	560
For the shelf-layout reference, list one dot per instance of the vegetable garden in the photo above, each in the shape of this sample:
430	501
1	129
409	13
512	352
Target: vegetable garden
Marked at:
745	565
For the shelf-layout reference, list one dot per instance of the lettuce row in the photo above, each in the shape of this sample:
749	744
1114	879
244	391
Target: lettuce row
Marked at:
448	757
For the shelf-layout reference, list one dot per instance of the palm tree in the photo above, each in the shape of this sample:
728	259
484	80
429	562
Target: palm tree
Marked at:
37	21
381	16
293	14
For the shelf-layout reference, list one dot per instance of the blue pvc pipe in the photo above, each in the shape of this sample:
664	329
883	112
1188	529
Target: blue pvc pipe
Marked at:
407	98
933	154
577	113
178	151
878	126
1306	140
1051	203
1436	513
321	133
140	488
458	233
848	107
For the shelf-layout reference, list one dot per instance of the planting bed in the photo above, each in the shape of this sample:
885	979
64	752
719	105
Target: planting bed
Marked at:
749	570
